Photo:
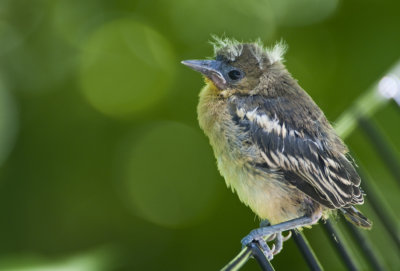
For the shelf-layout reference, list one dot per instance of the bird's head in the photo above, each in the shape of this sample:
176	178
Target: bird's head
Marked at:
244	68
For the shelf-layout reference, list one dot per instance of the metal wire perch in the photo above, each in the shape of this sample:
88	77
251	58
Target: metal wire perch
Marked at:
251	250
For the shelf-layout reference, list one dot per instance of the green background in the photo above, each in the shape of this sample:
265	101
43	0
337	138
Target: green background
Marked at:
102	163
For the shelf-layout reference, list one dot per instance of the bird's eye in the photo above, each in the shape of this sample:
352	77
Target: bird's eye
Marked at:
235	75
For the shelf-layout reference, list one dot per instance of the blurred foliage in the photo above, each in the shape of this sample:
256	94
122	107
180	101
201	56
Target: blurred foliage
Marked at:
102	163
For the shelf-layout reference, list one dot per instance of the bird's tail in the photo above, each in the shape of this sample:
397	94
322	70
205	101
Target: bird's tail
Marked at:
356	217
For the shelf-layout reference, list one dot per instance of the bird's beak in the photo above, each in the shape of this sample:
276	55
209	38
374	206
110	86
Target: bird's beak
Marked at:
209	68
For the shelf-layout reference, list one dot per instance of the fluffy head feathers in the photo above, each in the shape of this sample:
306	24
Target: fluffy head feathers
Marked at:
232	49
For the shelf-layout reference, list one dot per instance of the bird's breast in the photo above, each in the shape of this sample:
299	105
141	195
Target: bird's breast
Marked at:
264	192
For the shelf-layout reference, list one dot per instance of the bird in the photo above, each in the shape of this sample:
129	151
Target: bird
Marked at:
274	146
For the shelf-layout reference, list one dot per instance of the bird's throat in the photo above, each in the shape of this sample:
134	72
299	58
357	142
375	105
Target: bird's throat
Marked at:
212	88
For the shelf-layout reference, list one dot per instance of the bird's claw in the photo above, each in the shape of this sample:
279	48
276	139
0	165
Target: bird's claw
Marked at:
271	237
287	237
269	252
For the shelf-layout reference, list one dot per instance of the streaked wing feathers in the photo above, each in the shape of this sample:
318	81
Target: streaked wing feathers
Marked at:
306	162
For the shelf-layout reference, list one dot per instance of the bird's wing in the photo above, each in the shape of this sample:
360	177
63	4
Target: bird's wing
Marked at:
303	157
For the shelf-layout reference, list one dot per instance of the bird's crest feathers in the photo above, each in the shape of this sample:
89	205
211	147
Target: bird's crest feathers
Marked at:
233	48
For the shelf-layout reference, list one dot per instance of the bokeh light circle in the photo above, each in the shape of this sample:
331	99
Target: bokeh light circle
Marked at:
169	175
126	67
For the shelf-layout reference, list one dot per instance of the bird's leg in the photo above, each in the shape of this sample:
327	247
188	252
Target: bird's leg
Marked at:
264	223
275	231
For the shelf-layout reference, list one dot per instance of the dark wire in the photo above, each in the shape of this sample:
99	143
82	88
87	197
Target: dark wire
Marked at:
339	245
382	147
251	250
260	257
306	251
366	248
380	211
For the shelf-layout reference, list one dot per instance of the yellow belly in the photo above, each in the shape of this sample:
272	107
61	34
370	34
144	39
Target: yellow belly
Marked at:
264	193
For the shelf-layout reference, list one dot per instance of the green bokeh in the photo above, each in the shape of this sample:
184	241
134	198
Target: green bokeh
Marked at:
191	25
8	122
302	12
126	67
164	169
102	163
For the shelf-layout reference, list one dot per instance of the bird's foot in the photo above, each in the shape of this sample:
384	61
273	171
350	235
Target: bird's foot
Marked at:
262	240
274	232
